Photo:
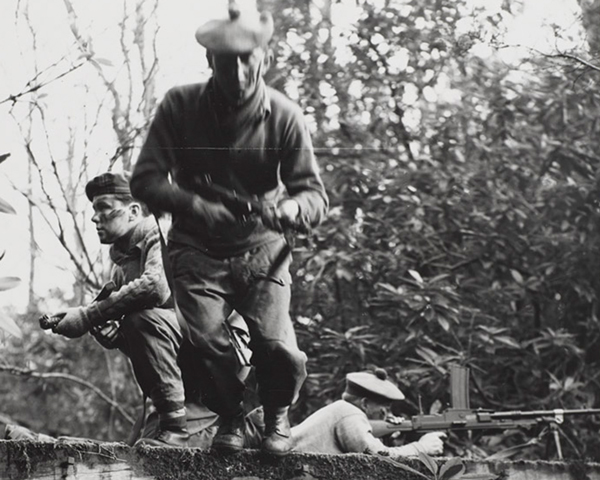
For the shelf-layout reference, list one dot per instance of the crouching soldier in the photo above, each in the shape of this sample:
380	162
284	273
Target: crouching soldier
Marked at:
138	316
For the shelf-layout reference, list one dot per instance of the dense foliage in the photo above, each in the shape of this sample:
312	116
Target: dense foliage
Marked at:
467	236
463	226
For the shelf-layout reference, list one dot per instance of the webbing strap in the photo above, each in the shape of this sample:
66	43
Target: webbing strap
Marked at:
169	274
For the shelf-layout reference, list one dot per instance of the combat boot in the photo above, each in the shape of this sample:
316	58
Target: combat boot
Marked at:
166	438
278	435
230	435
165	430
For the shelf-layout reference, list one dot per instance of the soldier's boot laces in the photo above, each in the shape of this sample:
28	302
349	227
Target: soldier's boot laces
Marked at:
278	435
230	435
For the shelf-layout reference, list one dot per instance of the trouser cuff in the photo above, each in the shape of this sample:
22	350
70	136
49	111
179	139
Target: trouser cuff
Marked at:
165	407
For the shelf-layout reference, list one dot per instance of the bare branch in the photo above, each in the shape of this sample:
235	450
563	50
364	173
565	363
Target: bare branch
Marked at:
563	55
120	120
24	372
68	205
35	88
58	230
125	51
60	233
577	59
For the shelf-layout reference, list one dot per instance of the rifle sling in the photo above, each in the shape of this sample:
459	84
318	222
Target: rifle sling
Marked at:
169	274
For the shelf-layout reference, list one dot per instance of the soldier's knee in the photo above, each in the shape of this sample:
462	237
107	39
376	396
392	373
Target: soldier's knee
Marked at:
137	322
276	352
147	324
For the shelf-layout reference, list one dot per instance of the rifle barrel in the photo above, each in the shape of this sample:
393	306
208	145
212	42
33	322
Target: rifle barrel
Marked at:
542	413
459	419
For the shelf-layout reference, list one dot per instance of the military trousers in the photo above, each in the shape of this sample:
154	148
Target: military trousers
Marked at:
207	289
151	340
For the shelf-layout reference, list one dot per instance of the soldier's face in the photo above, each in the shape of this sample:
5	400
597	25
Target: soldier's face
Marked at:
377	410
237	75
113	218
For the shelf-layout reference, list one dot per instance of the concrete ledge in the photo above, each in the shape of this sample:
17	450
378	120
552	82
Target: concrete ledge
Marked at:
23	460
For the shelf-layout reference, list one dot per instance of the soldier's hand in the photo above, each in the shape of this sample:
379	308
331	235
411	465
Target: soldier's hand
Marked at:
212	213
107	335
73	324
432	443
394	419
281	216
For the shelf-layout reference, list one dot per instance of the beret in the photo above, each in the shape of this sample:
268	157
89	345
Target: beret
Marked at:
108	183
242	32
373	385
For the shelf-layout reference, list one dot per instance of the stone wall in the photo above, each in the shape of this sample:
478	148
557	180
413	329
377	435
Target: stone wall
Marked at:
24	460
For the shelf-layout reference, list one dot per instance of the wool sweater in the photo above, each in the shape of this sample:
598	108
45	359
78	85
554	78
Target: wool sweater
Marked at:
341	427
138	274
267	155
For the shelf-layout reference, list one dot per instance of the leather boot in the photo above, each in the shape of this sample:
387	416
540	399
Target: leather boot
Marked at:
278	436
230	435
166	438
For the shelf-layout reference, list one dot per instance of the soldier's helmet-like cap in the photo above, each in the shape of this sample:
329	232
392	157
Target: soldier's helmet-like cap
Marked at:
108	183
374	385
244	30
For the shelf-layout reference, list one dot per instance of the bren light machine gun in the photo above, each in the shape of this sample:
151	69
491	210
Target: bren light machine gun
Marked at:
461	417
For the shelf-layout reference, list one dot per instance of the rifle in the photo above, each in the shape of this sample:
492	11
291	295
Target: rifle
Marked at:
479	419
244	205
50	321
460	416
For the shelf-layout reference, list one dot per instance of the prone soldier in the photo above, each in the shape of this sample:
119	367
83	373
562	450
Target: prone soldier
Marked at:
344	426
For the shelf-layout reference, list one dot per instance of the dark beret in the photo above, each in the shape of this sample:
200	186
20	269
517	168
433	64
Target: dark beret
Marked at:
108	183
373	385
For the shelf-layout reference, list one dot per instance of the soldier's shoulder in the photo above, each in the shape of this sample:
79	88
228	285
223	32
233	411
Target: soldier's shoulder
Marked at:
186	91
146	233
282	104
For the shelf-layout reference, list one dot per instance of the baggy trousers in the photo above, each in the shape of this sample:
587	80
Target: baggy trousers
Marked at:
207	289
152	339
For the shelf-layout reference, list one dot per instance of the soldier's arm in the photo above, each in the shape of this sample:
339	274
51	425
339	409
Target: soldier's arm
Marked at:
300	172
150	178
148	291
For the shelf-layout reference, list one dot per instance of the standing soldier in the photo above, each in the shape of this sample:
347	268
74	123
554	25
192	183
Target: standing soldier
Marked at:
234	133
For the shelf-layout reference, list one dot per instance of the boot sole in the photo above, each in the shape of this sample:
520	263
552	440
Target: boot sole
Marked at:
228	449
158	444
276	454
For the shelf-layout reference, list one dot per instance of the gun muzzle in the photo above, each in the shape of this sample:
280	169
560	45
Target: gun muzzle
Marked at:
50	321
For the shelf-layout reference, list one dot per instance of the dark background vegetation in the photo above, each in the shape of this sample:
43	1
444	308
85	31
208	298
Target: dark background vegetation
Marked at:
467	237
